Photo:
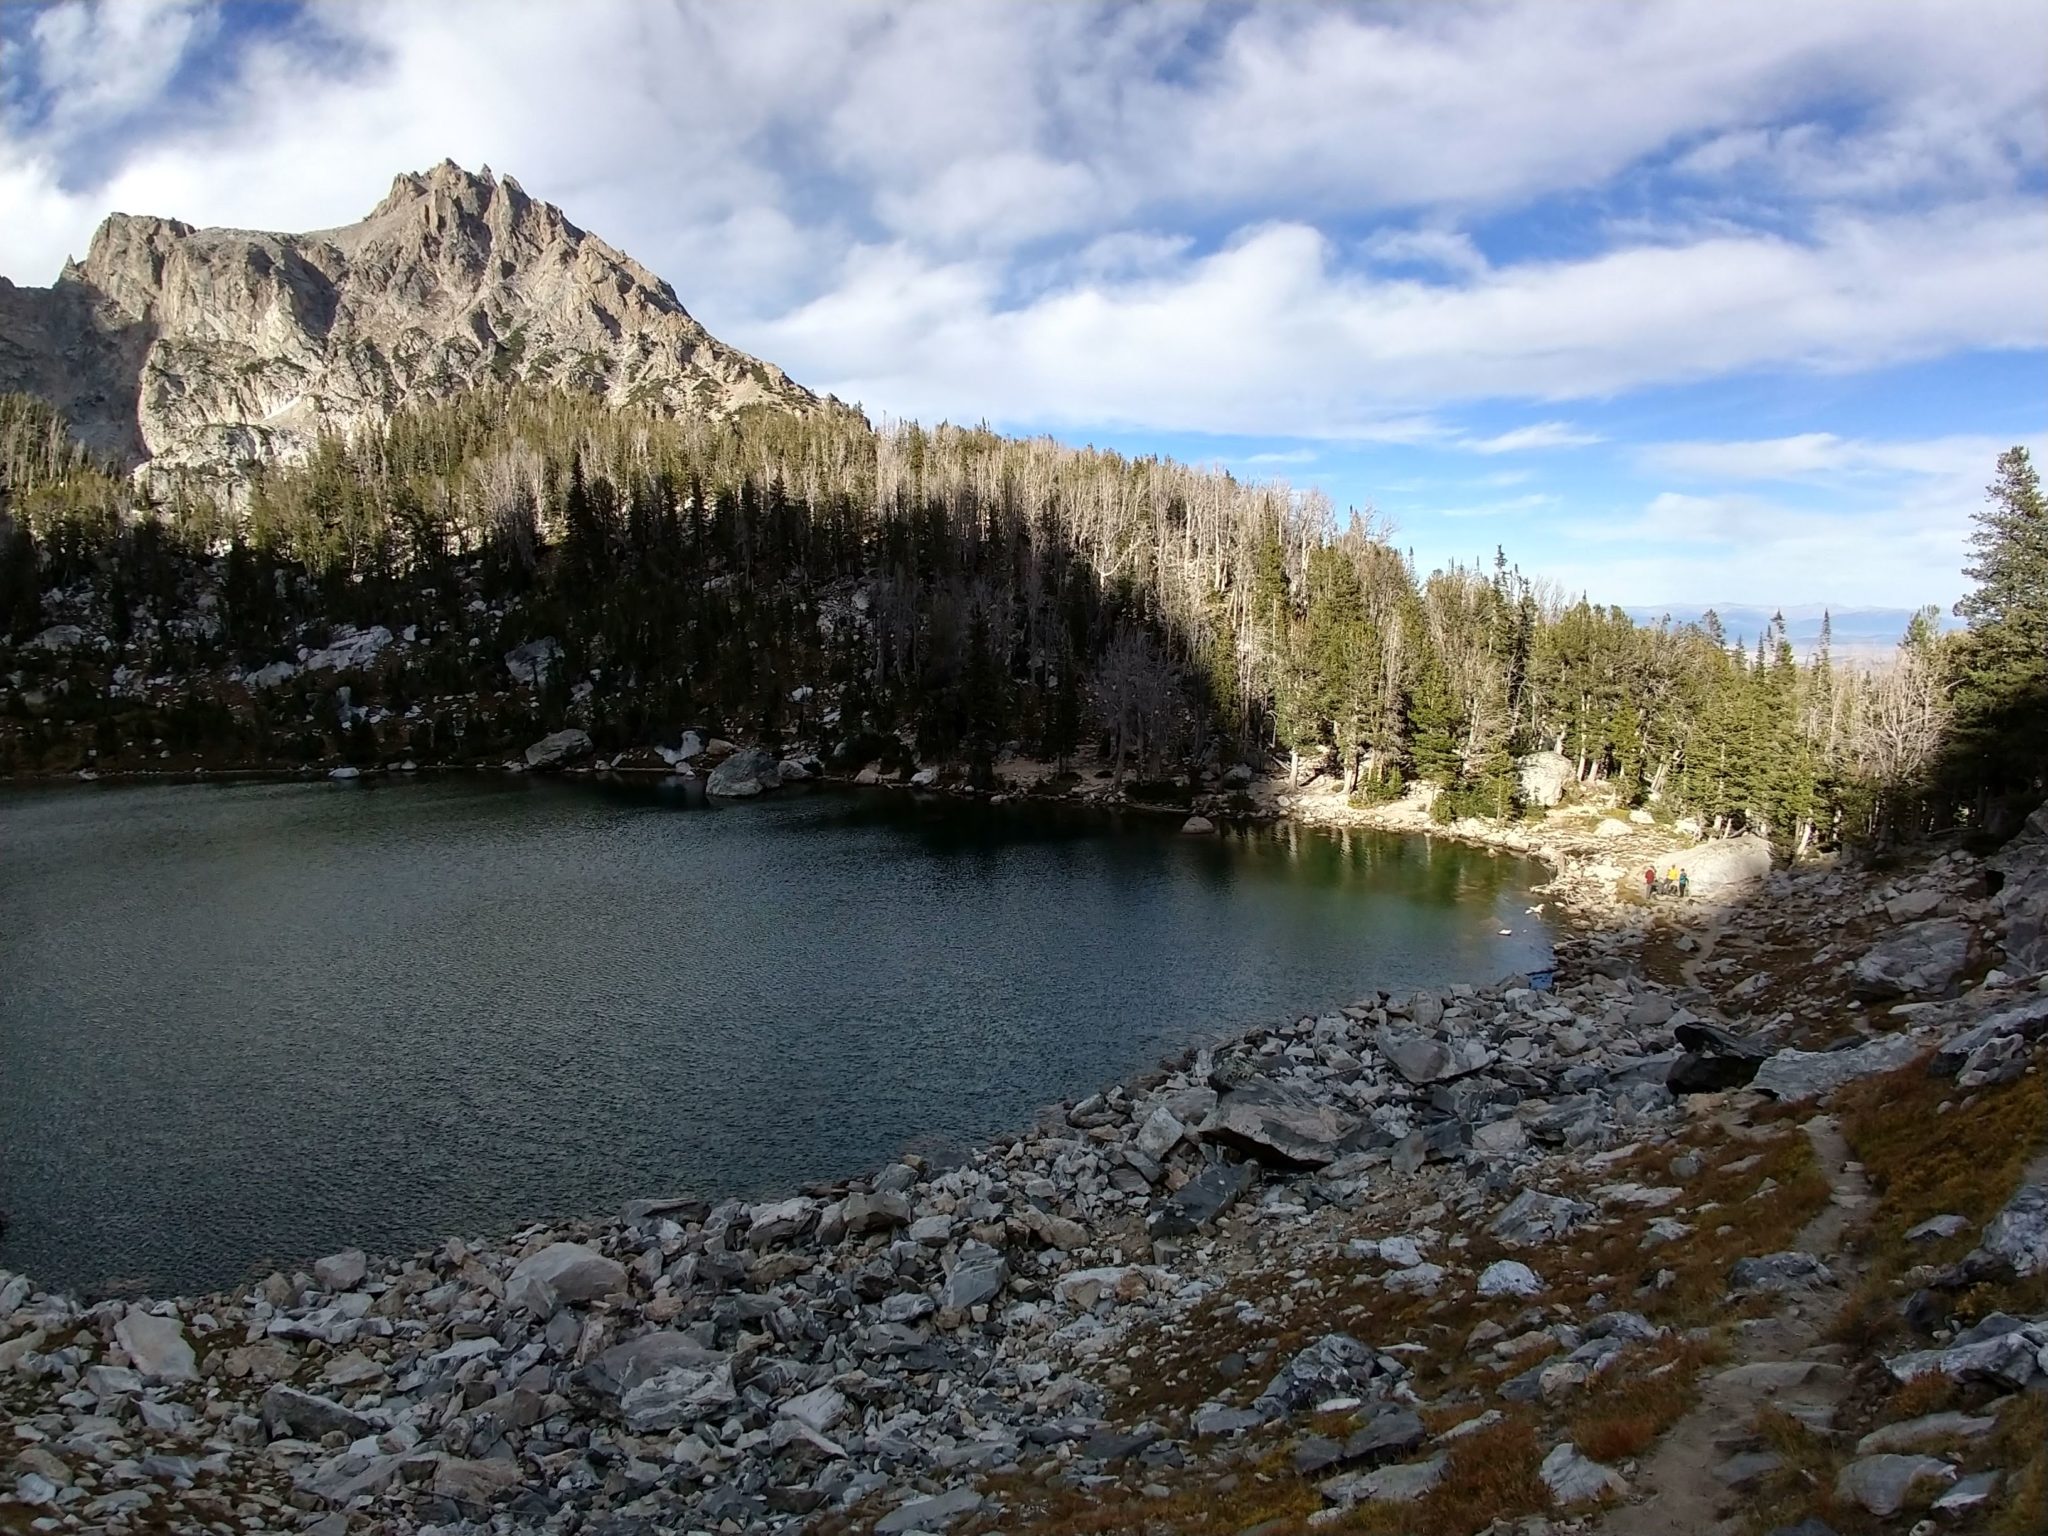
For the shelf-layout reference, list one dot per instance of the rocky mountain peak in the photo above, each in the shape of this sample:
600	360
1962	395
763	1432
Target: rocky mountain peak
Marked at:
209	348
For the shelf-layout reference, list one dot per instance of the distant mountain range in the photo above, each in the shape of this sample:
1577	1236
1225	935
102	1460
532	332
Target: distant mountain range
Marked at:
1855	630
207	348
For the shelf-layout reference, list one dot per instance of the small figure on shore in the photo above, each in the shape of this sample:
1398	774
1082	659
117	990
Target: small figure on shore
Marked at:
1671	879
1684	880
1650	881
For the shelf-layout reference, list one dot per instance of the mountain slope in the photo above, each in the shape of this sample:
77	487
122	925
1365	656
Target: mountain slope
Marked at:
203	348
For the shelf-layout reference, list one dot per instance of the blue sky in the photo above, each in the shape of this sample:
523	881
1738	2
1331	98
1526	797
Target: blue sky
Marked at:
1680	301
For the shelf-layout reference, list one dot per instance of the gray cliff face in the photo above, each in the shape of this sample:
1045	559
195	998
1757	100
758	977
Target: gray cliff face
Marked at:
202	348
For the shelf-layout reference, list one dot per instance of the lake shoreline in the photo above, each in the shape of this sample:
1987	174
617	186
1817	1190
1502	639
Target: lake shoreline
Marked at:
931	1343
1211	1030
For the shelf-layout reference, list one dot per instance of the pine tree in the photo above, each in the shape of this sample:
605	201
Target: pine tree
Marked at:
2001	746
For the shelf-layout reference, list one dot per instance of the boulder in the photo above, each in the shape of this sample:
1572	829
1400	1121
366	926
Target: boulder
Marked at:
779	1222
1544	777
1573	1478
559	1273
978	1276
1197	826
2018	1235
2025	1021
924	778
818	1410
530	663
1775	1273
1532	1218
678	1397
1999	1349
864	1212
1336	1365
1160	1133
1726	865
58	637
1798	1075
1278	1126
156	1346
1920	960
349	648
1508	1277
1423	1059
1880	1483
2023	899
1610	827
1714	1060
1202	1199
743	774
1403	1483
558	750
933	1514
475	1482
342	1271
302	1416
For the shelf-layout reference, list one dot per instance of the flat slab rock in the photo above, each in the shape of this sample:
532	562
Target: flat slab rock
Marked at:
1279	1126
1800	1075
933	1514
1880	1483
1574	1478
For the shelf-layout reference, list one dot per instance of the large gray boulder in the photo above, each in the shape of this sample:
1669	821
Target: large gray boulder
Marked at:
559	1273
157	1347
1278	1126
1920	960
1798	1075
1336	1365
530	663
1880	1483
743	774
1725	866
1544	777
2023	899
2018	1235
1534	1217
288	1411
978	1276
558	750
1202	1199
1423	1060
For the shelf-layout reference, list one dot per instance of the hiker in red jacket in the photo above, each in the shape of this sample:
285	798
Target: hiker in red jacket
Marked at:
1650	881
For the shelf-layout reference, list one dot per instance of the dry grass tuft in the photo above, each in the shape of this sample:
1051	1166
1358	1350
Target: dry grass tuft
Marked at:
1491	1475
1624	1411
1925	1163
2021	1447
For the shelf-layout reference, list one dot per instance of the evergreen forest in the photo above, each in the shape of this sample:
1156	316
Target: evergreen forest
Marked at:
946	596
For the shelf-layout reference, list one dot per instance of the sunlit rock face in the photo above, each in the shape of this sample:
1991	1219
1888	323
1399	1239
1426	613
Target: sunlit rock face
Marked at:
206	348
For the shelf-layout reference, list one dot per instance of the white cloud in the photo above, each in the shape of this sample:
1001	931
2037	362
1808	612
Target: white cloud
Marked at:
1810	455
1542	434
1512	506
1239	220
1450	250
1270	335
101	62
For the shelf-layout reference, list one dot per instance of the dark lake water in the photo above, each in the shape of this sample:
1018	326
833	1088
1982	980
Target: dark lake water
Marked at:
249	1025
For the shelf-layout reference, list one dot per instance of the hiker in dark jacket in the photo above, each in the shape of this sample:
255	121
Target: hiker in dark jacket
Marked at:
1684	880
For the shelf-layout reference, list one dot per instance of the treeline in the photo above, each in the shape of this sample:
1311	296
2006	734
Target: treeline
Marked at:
960	592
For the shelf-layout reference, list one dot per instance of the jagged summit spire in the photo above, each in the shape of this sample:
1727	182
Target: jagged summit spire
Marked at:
210	347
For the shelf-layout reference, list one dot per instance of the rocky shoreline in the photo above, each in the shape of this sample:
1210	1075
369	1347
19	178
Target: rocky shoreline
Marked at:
1377	1244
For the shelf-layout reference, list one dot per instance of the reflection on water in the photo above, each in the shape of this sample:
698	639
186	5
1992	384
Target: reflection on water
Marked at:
249	1024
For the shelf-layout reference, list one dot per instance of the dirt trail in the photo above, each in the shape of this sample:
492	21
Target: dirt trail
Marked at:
1781	1360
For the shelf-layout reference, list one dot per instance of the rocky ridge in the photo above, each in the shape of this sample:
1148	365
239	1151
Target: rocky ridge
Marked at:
204	348
1376	1242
